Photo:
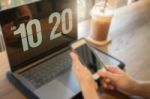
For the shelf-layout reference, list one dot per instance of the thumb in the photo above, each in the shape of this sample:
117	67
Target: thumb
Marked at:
74	57
106	74
114	69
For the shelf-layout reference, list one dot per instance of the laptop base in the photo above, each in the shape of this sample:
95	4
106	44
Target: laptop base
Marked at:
20	86
31	95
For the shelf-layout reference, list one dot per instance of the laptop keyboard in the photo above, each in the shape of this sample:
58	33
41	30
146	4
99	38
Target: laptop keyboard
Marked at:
48	70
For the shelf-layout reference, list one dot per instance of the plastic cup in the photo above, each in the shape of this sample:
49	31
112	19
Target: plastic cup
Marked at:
101	20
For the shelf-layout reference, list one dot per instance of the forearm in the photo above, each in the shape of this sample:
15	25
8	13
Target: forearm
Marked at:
143	89
89	92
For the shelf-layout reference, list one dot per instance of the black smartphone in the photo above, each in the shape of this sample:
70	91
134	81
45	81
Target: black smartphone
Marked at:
88	57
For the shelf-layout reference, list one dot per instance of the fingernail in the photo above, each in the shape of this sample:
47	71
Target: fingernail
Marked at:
99	71
105	86
108	80
112	88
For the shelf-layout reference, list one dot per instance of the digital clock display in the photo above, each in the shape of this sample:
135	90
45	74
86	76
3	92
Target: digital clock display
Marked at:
31	31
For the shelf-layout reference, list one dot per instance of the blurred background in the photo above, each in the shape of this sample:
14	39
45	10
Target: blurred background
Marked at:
84	7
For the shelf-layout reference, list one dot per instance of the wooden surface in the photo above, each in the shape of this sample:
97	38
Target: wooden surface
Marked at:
7	90
130	33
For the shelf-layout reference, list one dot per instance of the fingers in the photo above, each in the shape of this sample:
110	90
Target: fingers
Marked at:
77	67
114	69
74	57
75	60
107	80
82	73
111	87
107	84
106	74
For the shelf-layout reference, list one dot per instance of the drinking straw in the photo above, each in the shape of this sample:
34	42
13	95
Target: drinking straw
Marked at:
105	4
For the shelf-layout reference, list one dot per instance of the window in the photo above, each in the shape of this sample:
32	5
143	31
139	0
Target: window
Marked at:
4	4
84	7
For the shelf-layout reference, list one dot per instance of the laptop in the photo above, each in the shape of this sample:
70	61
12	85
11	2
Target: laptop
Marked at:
37	36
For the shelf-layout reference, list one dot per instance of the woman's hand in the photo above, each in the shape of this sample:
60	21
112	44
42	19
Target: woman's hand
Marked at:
87	83
115	78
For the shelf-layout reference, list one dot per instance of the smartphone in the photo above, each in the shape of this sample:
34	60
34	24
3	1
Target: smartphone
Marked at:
88	57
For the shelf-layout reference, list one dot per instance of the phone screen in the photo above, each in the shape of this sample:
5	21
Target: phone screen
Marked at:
88	58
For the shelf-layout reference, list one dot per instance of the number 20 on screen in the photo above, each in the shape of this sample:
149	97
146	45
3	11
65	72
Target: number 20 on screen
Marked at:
26	31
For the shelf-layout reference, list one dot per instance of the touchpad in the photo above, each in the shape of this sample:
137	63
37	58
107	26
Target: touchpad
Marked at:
69	79
54	90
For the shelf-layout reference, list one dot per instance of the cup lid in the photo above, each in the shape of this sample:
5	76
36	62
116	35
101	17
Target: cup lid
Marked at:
99	10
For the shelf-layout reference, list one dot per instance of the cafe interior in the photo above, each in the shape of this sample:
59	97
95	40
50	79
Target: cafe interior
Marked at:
119	28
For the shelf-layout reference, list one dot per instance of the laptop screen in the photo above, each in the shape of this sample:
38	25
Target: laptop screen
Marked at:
35	30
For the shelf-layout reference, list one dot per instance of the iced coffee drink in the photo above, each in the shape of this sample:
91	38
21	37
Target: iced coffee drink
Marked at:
100	22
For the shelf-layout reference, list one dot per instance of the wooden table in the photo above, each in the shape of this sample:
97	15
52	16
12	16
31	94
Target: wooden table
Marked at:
7	90
130	34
